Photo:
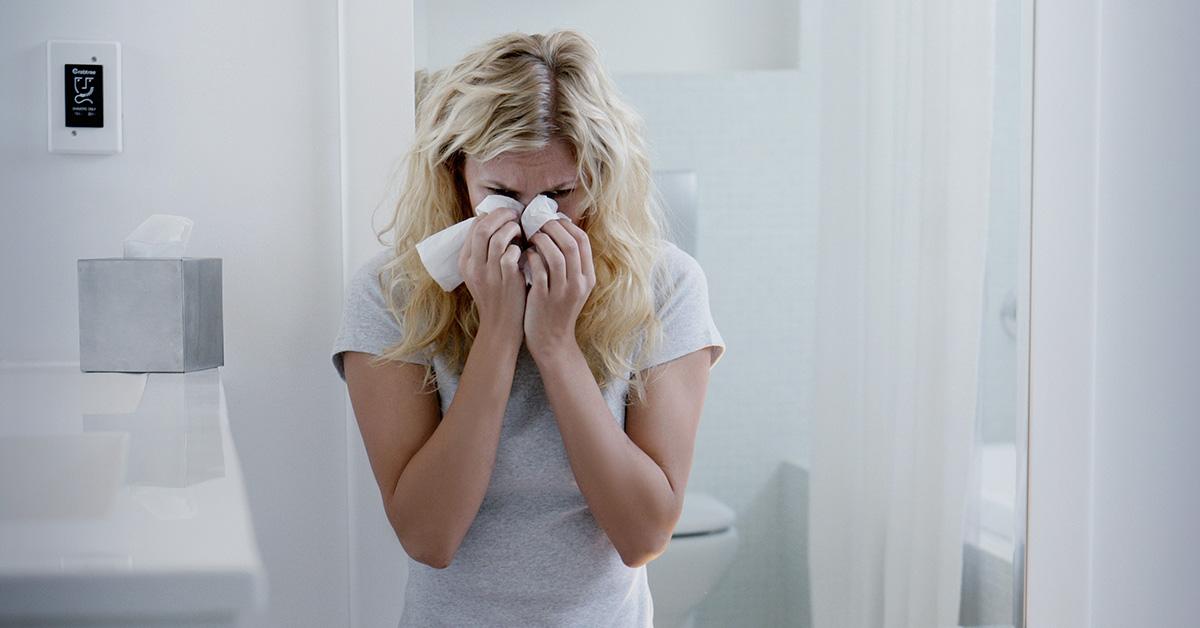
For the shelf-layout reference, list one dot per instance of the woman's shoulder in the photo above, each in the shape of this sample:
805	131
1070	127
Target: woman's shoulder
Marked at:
675	267
376	261
366	278
367	324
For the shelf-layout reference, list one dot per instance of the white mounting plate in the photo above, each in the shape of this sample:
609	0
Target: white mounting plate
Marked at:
64	139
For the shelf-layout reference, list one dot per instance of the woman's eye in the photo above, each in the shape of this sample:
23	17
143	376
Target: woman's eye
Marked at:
554	194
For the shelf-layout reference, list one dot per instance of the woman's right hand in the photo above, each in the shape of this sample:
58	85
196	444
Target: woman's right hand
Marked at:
488	265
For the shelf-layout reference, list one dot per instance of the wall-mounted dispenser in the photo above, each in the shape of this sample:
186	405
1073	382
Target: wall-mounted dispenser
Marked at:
83	96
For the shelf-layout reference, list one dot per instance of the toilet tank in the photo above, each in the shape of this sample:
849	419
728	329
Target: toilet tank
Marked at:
681	203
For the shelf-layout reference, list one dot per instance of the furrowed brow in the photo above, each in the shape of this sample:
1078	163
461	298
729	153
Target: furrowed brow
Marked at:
500	186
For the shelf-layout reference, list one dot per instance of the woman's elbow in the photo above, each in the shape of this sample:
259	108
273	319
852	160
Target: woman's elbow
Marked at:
422	550
425	554
636	557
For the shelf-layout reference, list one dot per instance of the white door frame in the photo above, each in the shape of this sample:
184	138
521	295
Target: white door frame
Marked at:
1062	313
375	70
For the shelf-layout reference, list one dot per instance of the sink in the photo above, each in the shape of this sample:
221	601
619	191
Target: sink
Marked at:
61	476
121	501
51	465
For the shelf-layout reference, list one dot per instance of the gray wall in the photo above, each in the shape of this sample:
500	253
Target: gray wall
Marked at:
1145	504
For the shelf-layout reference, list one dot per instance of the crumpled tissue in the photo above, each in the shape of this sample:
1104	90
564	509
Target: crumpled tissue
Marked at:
160	235
439	252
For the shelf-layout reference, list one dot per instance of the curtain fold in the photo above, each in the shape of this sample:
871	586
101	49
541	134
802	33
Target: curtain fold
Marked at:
906	126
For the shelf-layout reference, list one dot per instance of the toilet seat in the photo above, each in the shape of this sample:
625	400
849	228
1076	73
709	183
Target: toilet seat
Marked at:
703	514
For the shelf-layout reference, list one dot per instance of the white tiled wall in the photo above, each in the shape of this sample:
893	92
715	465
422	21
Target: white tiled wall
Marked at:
746	136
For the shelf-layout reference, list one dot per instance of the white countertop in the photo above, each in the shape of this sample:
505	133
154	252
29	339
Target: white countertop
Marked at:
121	494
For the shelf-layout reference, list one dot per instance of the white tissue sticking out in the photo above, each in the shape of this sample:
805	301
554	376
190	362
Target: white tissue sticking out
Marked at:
439	252
161	235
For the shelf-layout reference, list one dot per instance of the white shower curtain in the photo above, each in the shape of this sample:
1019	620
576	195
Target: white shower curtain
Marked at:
906	106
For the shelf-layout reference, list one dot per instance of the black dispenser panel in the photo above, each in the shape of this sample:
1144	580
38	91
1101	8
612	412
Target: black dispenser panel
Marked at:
84	92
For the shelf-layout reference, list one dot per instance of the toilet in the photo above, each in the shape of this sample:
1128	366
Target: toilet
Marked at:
701	550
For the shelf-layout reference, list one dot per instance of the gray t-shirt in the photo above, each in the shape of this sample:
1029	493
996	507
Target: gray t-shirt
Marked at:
534	555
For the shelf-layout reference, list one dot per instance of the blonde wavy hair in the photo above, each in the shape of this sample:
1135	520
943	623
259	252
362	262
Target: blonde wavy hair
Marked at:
515	93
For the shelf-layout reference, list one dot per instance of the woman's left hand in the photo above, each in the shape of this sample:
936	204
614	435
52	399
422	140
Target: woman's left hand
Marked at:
560	263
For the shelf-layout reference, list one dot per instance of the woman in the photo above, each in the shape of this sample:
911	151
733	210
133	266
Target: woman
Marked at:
521	486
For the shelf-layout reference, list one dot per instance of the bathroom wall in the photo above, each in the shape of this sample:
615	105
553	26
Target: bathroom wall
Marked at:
667	36
1145	562
748	137
230	118
998	368
988	572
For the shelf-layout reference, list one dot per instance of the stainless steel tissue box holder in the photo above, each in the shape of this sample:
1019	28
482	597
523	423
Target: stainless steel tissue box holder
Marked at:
150	314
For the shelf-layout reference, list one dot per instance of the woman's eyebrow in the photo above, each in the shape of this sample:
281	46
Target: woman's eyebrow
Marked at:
499	186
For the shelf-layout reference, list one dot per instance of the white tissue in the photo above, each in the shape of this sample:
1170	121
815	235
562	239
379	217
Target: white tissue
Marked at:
439	252
160	235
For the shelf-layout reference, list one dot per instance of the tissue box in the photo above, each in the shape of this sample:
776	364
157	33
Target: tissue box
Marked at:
150	314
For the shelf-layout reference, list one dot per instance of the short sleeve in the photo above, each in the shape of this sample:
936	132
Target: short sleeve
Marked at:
683	309
367	324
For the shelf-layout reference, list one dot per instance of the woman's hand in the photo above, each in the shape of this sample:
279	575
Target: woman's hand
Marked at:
560	262
488	264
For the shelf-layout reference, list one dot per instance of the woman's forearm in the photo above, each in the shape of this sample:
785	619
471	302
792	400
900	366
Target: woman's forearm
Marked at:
443	485
626	490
